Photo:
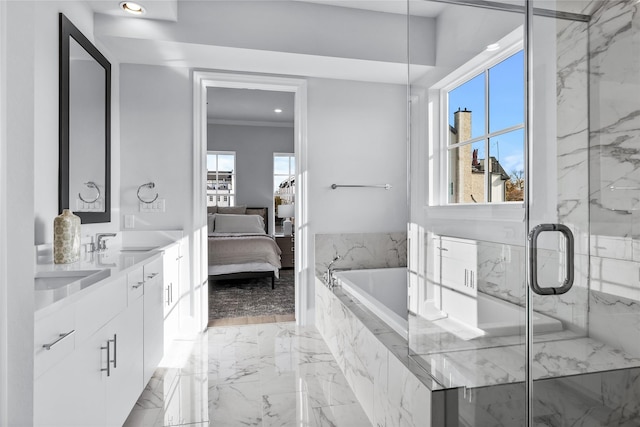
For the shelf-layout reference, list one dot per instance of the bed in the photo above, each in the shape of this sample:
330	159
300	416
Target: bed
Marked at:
239	246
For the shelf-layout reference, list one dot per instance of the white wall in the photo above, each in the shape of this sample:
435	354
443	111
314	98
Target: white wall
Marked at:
17	214
30	178
254	147
45	82
157	143
356	134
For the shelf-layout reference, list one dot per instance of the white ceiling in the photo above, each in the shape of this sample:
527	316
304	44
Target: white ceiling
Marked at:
166	10
417	7
249	107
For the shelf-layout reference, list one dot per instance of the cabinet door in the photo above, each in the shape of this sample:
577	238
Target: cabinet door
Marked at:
153	317
125	383
171	279
73	392
187	320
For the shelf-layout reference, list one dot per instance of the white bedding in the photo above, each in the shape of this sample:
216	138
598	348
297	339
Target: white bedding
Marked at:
215	270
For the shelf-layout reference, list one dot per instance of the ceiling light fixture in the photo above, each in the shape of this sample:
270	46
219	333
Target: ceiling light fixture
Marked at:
493	46
132	7
277	110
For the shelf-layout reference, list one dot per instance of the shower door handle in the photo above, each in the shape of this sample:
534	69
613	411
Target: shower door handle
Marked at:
533	259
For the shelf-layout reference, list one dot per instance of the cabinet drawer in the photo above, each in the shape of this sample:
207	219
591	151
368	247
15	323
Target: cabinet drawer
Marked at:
135	284
54	338
153	269
286	244
100	306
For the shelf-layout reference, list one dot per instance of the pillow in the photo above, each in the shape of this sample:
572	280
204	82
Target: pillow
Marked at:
230	223
241	210
210	219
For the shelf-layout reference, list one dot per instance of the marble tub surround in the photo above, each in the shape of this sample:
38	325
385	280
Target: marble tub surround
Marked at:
255	375
392	389
360	250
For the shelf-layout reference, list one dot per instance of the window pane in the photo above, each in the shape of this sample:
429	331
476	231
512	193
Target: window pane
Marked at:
226	162
466	173
281	165
292	166
507	167
211	162
467	98
506	93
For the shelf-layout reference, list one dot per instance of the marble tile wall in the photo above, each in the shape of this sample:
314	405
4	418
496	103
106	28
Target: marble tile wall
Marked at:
614	81
360	250
390	393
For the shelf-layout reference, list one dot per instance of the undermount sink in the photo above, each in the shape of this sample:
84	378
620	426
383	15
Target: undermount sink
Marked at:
52	280
138	248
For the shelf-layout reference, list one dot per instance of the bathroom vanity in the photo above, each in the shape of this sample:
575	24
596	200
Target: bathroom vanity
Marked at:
102	326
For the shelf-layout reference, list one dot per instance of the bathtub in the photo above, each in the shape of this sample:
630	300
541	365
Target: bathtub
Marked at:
384	292
381	290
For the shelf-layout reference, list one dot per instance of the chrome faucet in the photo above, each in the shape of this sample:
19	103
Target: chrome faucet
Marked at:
330	280
101	240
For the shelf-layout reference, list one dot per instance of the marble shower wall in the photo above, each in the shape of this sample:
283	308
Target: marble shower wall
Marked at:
360	250
614	79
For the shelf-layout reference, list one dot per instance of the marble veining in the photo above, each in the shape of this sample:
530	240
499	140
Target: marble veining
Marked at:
254	375
360	250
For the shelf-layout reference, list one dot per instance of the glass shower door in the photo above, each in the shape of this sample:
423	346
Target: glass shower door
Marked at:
583	191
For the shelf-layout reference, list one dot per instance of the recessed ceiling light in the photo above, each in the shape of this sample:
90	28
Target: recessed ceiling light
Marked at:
277	110
493	46
132	7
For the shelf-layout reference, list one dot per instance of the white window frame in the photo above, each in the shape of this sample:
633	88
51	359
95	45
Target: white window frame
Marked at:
438	202
233	174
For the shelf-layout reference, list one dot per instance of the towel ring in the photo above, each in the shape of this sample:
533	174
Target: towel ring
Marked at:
90	184
147	185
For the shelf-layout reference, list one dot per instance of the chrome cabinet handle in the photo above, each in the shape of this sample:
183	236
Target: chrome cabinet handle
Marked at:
137	285
60	338
115	350
169	294
533	259
152	275
108	368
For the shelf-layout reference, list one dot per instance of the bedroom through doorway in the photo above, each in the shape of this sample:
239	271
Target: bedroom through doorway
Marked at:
250	203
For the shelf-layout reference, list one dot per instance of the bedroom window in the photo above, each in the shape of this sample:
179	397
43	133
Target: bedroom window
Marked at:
221	178
284	183
485	137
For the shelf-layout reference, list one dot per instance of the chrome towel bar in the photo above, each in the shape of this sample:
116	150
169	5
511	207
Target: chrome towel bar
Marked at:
385	186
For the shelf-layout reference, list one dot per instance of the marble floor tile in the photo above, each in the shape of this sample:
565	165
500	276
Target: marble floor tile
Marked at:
261	375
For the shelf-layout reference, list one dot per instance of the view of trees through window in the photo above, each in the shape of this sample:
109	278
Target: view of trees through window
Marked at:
486	135
221	178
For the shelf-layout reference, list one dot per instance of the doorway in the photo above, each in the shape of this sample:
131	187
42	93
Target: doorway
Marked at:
206	81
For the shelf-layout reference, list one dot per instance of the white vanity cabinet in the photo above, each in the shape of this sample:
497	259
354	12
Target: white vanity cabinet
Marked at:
153	317
172	274
104	365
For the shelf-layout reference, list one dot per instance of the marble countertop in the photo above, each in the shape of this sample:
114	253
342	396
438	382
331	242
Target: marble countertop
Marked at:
93	269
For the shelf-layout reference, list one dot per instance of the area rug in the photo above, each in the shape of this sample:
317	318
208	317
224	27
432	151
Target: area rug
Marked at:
252	297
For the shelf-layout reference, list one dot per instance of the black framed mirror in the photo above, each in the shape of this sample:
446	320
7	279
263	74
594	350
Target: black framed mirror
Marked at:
84	175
